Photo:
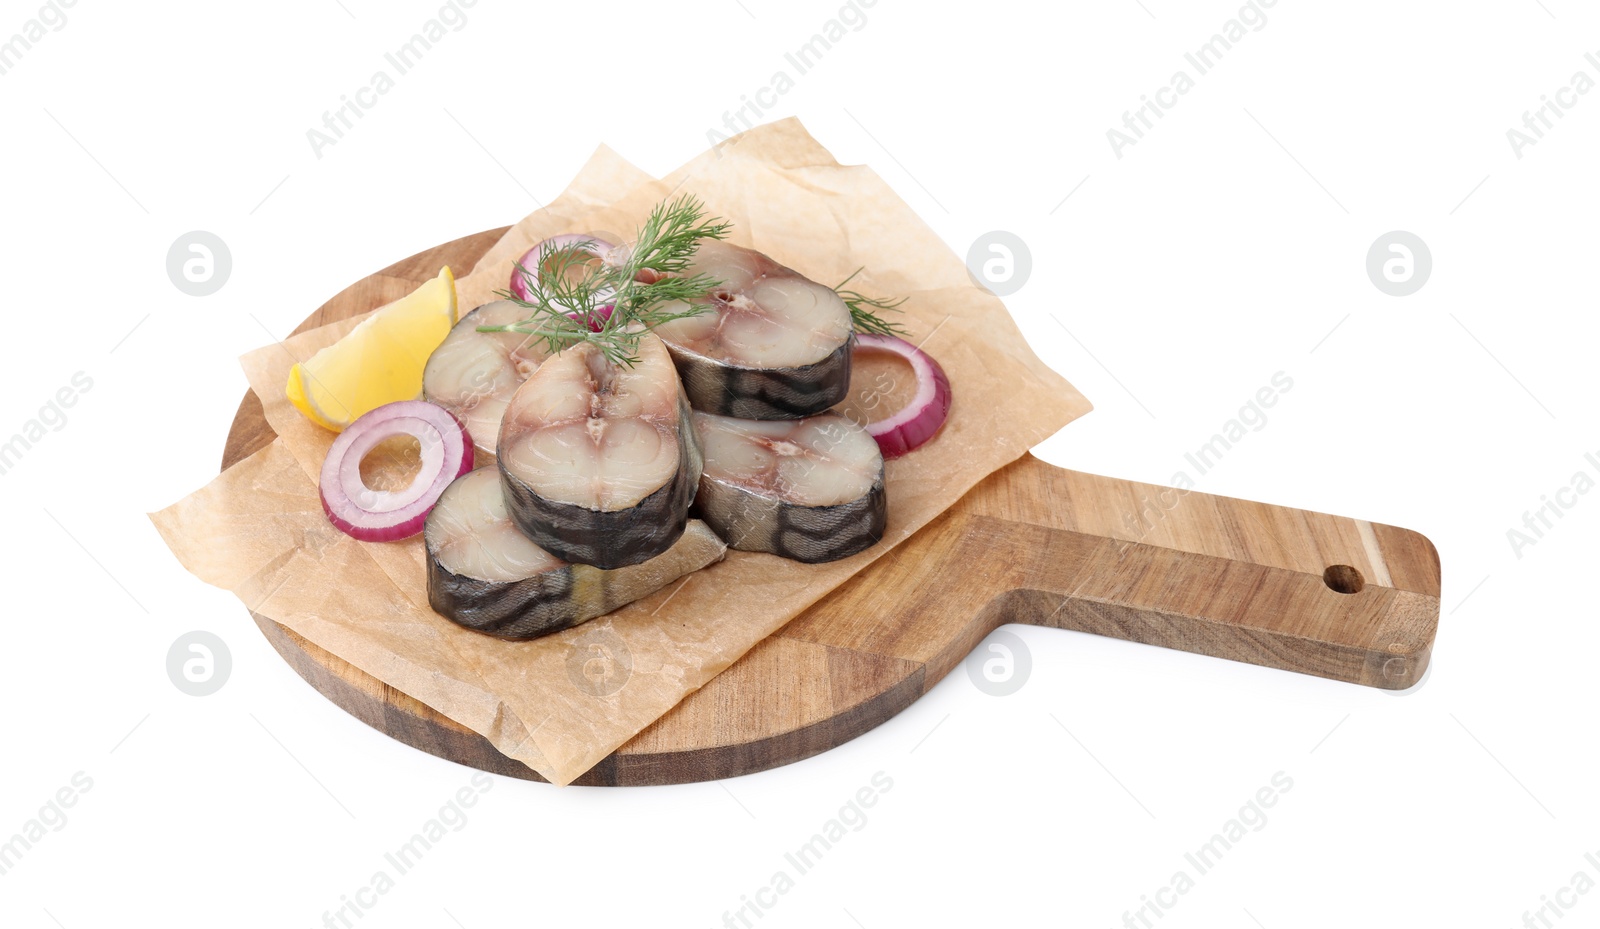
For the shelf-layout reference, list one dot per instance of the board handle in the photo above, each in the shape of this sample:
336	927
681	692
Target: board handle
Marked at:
1330	596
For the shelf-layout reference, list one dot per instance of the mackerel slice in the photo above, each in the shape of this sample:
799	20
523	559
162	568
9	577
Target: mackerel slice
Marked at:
473	374
484	574
768	343
808	489
599	460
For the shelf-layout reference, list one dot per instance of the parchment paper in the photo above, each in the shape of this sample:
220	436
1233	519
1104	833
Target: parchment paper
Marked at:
259	530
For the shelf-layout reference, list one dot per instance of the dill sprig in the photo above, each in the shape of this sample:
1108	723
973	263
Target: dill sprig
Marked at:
862	309
574	285
567	307
669	237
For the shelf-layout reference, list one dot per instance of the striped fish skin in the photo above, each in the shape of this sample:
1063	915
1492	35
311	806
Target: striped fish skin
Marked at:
745	392
474	374
768	343
811	490
600	462
485	575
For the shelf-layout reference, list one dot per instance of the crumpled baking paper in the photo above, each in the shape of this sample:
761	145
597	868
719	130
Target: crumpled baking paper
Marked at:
259	530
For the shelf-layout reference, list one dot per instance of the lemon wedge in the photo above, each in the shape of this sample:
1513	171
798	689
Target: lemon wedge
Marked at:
379	361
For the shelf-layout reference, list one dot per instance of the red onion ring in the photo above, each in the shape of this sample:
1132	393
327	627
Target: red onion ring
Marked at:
521	283
920	419
532	263
381	515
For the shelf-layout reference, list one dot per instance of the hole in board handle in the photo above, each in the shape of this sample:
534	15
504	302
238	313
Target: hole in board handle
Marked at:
1344	579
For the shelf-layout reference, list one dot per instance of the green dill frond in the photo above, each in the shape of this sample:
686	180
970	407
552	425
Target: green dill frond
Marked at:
863	310
672	232
568	307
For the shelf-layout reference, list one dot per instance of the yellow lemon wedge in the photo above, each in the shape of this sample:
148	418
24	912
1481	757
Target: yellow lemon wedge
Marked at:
379	361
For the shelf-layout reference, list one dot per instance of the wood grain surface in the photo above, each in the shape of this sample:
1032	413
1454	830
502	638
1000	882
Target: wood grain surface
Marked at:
1285	588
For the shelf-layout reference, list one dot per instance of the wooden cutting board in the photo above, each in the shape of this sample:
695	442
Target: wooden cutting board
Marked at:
1325	595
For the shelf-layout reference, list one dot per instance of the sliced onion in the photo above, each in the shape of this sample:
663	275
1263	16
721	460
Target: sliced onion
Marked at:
381	515
526	289
919	420
533	260
599	322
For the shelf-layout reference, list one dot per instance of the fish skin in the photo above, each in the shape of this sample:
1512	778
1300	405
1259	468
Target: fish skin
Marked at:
811	534
522	609
567	596
763	393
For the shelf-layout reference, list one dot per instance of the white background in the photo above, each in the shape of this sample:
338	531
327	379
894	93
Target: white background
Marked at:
1222	248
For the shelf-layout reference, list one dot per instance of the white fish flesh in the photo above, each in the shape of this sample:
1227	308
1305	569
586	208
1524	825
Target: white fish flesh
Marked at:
599	460
473	374
809	489
769	342
483	573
